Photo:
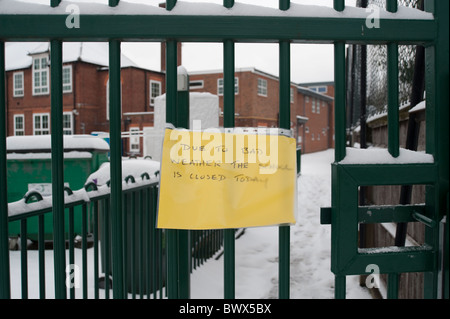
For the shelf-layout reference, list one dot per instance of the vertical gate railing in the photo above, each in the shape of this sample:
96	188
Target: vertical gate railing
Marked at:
346	214
333	27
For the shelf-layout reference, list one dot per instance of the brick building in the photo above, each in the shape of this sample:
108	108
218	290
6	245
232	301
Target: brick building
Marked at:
85	87
257	100
86	105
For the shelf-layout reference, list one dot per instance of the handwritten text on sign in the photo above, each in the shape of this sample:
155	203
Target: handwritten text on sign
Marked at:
213	180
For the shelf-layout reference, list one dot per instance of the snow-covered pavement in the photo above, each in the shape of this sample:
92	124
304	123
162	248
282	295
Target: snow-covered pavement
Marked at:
257	250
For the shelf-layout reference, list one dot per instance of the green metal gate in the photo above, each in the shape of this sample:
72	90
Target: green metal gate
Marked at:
339	27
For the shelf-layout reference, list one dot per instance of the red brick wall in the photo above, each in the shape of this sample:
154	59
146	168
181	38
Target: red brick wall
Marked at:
255	110
29	104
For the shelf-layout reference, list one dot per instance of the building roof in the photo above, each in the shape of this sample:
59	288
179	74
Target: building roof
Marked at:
19	54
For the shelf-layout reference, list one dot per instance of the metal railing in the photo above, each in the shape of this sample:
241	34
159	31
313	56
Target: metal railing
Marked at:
335	28
144	247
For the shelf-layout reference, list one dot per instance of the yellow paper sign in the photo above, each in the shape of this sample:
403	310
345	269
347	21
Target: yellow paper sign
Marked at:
216	180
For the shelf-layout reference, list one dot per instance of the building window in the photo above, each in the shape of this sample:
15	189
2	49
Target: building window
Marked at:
40	75
41	124
134	140
319	89
155	91
318	137
307	129
292	95
67	123
312	137
313	105
18	84
262	87
67	78
19	125
198	84
221	89
307	99
318	107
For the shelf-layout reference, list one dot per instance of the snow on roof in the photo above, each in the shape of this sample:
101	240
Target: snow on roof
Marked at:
210	9
19	54
43	142
382	156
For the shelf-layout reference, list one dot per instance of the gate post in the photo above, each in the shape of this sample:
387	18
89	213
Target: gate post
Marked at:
184	251
4	249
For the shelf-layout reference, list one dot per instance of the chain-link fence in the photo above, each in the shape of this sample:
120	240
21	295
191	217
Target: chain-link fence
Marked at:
376	66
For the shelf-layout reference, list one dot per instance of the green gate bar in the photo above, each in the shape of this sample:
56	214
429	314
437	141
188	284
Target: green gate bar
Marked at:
171	104
340	129
57	168
115	128
285	123
392	76
229	122
5	285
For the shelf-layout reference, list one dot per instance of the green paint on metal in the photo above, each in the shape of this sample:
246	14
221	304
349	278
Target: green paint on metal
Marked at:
5	285
285	122
170	4
229	122
228	3
191	28
284	4
339	101
55	3
393	101
113	3
115	101
57	168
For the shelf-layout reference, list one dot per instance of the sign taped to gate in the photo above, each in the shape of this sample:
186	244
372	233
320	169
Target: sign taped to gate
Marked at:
227	179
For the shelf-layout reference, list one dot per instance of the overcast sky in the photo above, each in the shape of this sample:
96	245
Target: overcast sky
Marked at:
309	63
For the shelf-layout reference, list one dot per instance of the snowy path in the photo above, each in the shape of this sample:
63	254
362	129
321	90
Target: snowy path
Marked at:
256	252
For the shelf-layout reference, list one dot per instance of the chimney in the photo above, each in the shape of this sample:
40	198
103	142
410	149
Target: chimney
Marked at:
163	49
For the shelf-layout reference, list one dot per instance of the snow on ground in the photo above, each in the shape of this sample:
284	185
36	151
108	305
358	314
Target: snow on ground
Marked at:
256	252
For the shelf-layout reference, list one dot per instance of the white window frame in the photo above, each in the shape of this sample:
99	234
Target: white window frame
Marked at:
37	69
318	106
107	100
17	131
313	105
221	87
152	97
68	130
291	95
135	140
67	87
41	129
18	91
262	87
